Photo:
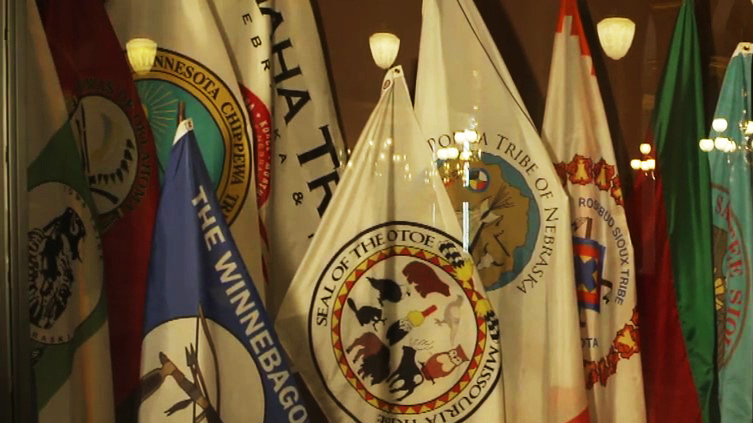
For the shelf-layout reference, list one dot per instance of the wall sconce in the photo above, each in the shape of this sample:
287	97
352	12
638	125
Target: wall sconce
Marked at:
725	144
456	161
384	47
141	54
616	36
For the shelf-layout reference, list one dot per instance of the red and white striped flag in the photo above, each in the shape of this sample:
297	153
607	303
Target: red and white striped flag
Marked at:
576	131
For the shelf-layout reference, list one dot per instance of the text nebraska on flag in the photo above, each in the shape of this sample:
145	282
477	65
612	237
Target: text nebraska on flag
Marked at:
519	218
193	66
397	325
120	162
278	57
209	350
732	218
67	302
576	130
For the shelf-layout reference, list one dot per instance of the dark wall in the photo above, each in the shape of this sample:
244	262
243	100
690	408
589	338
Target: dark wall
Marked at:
524	33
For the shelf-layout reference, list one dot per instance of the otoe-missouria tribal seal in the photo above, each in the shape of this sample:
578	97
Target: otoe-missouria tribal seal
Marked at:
219	122
398	329
65	262
731	275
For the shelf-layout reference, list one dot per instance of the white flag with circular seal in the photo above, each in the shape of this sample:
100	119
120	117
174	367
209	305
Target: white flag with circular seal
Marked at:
576	131
387	319
516	212
193	68
278	57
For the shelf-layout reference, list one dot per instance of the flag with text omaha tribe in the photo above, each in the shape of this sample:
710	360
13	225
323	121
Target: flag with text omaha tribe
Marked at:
732	207
299	148
210	352
386	318
576	131
193	67
67	303
517	212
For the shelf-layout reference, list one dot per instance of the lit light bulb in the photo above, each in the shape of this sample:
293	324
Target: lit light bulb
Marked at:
706	144
141	54
645	166
720	143
651	164
645	148
635	164
719	124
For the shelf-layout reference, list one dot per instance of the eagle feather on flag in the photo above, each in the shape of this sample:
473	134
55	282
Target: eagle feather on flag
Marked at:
515	211
72	376
386	319
577	133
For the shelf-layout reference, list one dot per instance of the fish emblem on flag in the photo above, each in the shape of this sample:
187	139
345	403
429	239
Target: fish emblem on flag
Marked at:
391	302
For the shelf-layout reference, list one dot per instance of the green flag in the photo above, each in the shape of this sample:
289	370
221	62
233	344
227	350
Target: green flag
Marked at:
67	307
732	202
678	124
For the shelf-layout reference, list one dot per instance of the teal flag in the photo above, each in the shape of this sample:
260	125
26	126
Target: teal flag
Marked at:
732	205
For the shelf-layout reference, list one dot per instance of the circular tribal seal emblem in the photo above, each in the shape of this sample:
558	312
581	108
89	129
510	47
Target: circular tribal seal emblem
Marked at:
505	218
399	330
65	262
218	117
731	275
112	137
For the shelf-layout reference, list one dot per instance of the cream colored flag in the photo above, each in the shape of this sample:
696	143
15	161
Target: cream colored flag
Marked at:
576	131
514	210
386	318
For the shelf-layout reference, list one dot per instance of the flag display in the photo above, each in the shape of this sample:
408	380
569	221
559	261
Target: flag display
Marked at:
678	124
517	212
67	302
193	67
299	148
732	219
397	325
120	163
209	353
576	130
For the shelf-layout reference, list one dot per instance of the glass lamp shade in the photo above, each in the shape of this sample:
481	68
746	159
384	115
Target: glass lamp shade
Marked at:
141	54
616	36
706	144
384	47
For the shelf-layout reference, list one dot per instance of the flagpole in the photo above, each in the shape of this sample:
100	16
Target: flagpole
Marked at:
15	353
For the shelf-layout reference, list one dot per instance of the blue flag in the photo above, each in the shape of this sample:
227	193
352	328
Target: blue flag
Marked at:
209	350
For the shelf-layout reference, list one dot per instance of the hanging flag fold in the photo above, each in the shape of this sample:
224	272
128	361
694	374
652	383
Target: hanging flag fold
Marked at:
120	162
209	351
299	148
671	225
397	325
732	219
515	212
577	133
67	302
193	67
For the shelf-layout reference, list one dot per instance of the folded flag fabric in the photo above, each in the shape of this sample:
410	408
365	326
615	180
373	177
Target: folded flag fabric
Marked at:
515	212
577	133
387	319
70	347
732	219
209	351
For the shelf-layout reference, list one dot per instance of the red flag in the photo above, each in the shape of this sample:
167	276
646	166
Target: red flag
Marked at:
117	148
667	381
